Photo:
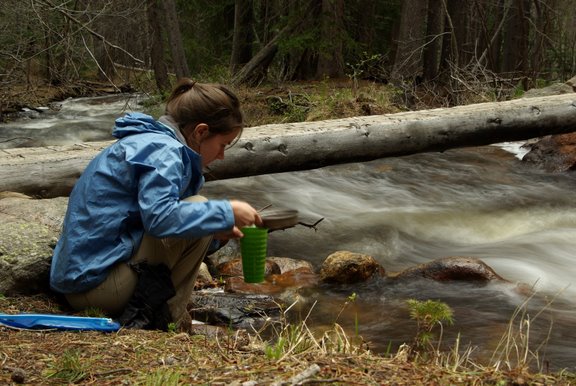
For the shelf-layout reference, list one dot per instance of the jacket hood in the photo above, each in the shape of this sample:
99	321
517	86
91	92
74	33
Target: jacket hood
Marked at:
137	123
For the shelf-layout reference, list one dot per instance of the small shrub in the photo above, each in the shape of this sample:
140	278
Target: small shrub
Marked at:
93	312
163	377
428	314
172	327
68	368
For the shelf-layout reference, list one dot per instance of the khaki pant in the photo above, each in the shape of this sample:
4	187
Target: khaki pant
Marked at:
182	256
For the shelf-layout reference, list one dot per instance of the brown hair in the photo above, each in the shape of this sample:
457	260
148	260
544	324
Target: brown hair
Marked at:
192	103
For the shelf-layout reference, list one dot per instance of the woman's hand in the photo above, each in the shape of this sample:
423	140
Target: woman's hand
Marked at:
244	215
235	233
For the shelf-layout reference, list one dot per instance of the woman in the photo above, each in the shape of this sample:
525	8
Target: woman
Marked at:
137	202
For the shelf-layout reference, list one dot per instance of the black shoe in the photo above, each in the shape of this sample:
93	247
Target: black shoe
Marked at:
148	308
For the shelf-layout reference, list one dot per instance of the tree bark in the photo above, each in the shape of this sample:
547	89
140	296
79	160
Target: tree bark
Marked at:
515	50
243	36
434	27
455	35
175	39
52	171
410	40
157	46
365	19
332	31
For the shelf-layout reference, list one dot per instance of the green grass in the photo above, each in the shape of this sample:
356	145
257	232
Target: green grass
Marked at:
70	367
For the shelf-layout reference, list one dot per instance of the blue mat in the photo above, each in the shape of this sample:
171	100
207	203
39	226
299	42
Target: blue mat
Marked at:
58	322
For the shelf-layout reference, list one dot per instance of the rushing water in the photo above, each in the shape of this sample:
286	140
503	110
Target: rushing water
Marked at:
69	121
482	202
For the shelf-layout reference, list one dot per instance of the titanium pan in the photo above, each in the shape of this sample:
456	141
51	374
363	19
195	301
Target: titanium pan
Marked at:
275	219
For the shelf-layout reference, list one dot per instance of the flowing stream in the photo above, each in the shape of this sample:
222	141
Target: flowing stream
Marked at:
481	202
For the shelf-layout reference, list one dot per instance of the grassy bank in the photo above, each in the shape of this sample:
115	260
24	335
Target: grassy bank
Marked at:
220	356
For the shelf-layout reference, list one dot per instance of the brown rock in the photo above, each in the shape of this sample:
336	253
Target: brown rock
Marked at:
237	285
229	309
274	284
234	268
297	278
452	268
555	153
348	267
204	279
572	83
287	264
18	375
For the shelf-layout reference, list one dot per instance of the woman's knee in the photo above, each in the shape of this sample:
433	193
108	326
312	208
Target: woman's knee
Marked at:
111	296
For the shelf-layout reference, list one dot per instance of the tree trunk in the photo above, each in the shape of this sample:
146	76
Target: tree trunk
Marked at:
243	36
175	39
52	171
300	62
103	57
515	50
434	27
410	40
255	69
332	31
364	21
455	36
157	46
491	17
543	20
465	43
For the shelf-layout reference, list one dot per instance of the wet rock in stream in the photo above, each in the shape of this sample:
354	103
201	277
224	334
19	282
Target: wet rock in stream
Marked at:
463	268
348	267
554	153
235	310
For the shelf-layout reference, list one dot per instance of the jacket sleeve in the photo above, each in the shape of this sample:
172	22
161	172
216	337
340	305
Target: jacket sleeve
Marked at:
162	175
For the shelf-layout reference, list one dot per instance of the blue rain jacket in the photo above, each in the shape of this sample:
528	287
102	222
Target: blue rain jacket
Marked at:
133	186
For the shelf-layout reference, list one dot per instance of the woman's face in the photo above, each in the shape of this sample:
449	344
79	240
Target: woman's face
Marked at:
211	147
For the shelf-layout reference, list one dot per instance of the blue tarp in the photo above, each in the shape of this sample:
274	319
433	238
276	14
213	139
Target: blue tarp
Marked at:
58	322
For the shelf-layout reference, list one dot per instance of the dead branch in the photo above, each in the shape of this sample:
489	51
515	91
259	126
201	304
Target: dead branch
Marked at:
67	15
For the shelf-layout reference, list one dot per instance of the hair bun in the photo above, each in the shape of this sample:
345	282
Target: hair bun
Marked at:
184	86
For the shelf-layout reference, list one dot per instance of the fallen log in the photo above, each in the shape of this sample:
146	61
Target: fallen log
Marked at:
52	171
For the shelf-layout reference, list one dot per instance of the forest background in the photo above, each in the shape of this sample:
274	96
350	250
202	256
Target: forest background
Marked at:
434	52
